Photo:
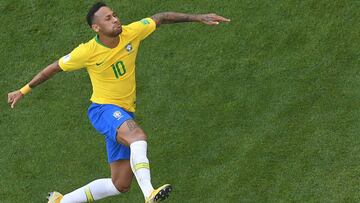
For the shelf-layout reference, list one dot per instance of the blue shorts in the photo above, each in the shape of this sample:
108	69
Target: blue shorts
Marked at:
106	119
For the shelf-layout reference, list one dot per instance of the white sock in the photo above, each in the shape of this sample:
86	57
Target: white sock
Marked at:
98	189
140	166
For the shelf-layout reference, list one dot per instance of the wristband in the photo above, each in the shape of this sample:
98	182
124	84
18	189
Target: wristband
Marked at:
26	89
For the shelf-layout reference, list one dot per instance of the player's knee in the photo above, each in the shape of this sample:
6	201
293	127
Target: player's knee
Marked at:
121	187
138	134
129	136
135	135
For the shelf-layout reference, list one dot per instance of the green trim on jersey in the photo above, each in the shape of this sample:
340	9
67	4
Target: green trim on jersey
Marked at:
98	41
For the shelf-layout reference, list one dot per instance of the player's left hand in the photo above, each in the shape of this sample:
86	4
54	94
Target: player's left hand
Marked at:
212	19
14	97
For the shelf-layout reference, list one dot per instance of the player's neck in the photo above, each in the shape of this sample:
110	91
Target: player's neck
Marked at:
110	42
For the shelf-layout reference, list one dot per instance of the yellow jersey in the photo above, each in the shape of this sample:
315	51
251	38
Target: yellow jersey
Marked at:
111	70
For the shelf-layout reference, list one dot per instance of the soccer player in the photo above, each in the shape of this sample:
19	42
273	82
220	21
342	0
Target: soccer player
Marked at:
109	59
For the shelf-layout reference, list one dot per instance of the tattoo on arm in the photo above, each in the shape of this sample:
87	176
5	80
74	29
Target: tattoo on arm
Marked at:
172	17
131	125
45	74
38	79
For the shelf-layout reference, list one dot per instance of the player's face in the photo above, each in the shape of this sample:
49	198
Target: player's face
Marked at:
107	22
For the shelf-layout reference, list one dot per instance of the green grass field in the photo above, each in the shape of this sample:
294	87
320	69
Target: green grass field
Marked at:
263	109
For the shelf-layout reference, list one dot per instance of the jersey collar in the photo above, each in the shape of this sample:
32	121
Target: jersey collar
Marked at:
97	39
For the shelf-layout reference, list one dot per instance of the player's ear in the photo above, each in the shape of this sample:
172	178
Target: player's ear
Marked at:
95	27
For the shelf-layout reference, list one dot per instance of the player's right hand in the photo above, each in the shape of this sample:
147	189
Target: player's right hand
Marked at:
212	19
14	97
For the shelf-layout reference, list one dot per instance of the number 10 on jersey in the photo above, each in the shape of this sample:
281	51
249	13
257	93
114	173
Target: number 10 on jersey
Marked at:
119	69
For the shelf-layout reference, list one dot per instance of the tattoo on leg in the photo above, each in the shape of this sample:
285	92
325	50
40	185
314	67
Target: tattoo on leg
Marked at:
131	125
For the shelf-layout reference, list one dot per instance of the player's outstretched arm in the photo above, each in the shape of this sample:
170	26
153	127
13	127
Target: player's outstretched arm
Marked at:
42	76
173	17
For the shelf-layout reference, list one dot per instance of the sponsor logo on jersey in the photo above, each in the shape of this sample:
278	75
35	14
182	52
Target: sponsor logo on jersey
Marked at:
98	64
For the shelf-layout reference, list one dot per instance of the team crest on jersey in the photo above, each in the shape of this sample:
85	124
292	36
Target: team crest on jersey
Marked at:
117	115
128	47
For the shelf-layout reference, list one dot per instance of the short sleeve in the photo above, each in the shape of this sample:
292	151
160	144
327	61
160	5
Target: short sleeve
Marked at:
74	60
143	28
